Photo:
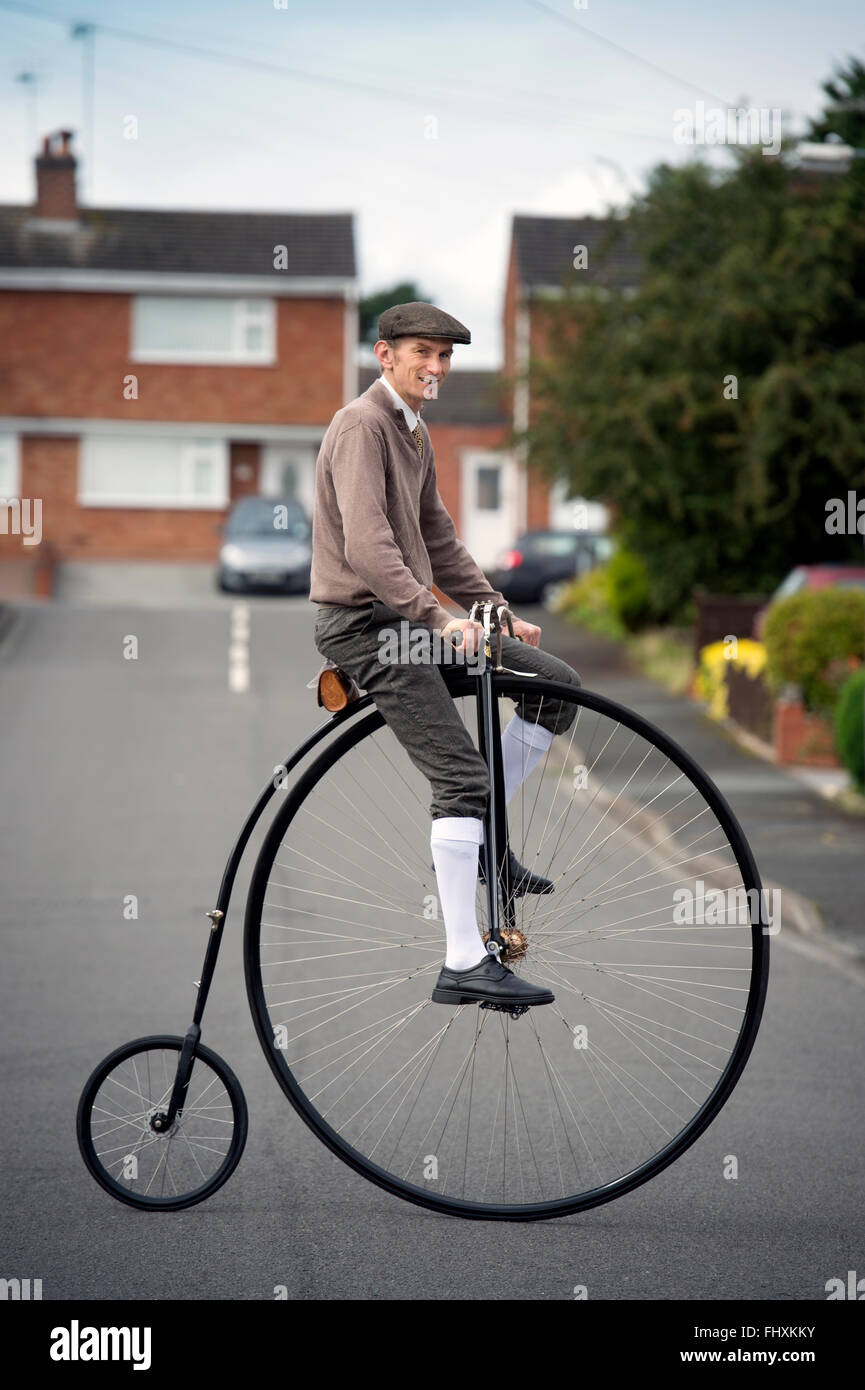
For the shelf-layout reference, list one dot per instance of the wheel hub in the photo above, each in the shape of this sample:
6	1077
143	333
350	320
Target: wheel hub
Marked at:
514	945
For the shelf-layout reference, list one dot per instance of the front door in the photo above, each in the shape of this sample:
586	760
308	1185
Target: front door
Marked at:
288	470
488	504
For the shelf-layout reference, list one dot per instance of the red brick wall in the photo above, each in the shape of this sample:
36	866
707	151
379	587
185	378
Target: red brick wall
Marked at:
800	737
509	317
537	491
66	354
537	503
448	442
49	470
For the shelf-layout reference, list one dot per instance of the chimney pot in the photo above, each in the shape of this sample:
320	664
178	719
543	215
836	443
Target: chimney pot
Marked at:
55	179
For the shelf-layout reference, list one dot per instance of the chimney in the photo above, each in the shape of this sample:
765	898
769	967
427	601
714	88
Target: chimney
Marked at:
55	179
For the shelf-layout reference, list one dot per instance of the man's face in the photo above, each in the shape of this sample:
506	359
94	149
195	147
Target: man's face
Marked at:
415	363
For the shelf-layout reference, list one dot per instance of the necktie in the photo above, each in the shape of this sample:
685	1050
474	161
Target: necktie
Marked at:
418	439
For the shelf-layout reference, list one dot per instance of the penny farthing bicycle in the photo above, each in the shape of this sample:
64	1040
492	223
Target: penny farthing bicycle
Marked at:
653	942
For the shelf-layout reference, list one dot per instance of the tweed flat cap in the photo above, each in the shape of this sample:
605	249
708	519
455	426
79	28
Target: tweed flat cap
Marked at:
420	320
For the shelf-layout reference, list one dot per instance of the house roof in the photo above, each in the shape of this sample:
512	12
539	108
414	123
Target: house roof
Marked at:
468	398
318	245
545	252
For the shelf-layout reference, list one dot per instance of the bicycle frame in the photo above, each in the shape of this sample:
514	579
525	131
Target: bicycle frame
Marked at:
496	866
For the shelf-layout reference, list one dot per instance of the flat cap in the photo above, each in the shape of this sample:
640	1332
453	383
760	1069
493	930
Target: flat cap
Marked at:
420	320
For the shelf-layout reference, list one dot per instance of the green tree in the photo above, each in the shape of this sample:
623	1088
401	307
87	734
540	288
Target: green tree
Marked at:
720	407
844	113
373	305
843	118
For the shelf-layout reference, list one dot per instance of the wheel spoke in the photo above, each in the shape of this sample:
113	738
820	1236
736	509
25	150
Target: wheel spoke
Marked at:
477	1112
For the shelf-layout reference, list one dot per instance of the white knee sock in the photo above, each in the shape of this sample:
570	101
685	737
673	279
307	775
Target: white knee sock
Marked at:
454	842
523	746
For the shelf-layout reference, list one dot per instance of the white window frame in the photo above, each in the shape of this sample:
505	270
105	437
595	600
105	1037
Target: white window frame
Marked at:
187	500
248	310
10	450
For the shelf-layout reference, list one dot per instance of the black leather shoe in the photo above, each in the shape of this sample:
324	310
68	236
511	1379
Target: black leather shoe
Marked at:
522	879
488	982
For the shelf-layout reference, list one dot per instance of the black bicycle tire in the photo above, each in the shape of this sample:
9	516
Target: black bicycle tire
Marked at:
232	1157
346	739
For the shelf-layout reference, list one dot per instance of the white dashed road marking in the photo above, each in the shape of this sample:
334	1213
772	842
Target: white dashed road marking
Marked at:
238	649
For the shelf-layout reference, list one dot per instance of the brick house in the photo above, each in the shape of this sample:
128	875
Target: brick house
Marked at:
541	265
483	483
156	365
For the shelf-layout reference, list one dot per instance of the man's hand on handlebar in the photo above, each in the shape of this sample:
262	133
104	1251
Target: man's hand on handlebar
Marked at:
528	631
472	635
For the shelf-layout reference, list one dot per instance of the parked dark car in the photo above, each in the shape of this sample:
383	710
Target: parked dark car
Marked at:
539	563
267	545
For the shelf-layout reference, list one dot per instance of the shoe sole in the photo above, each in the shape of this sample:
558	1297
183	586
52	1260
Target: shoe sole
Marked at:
461	996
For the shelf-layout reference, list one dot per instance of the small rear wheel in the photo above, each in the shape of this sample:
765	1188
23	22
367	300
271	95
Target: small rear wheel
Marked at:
119	1116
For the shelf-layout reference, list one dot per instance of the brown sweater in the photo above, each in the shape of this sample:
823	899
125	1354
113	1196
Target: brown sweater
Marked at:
380	529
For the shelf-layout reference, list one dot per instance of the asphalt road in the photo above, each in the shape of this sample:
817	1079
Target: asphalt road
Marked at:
131	777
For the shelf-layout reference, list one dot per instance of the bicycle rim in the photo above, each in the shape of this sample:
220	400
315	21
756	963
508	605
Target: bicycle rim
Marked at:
186	1164
472	1112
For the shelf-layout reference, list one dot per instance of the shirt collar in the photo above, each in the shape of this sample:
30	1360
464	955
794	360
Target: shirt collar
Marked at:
411	418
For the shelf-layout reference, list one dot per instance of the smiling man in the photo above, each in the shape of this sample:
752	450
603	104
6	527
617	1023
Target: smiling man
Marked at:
381	538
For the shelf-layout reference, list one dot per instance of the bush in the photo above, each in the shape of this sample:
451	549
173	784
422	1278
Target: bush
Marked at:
629	591
587	601
850	727
813	640
711	679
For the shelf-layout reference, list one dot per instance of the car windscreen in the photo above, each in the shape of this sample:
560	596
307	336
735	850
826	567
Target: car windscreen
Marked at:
268	517
550	545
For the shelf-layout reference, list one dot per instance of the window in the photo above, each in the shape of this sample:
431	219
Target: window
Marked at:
124	471
266	516
198	328
488	493
10	466
795	581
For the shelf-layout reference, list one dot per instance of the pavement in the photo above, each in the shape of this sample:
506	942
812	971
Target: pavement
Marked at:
129	778
802	843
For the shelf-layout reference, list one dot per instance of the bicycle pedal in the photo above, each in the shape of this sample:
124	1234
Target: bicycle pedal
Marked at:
515	1010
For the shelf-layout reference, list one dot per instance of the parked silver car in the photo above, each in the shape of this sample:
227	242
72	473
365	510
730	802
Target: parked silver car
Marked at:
267	544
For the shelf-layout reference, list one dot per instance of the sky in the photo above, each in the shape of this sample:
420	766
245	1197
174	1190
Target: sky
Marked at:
432	123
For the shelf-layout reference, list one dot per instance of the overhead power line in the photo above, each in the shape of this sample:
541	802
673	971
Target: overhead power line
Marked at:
390	93
582	32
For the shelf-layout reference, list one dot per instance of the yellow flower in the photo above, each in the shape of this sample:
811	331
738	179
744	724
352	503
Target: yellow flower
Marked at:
711	680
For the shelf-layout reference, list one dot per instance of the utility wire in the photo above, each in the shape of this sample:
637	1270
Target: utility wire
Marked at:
595	37
325	80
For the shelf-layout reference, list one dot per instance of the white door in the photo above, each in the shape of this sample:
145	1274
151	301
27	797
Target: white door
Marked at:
488	504
288	470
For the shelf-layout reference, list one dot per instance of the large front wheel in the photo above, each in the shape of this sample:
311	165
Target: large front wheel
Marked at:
654	942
